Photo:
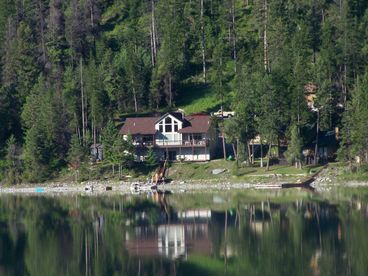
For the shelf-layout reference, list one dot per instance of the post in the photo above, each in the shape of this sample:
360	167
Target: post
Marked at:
82	100
317	134
260	138
223	144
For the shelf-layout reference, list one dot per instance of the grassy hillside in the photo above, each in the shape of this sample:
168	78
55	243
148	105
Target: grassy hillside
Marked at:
198	98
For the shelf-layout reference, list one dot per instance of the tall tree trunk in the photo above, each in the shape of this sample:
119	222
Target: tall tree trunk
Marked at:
151	43
135	99
92	22
94	130
237	149
261	151
170	90
154	35
42	32
86	108
223	144
234	151
265	42
233	32
269	156
203	45
249	157
82	101
316	146
345	90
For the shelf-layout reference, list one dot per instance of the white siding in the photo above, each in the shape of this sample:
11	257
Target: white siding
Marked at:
196	154
169	137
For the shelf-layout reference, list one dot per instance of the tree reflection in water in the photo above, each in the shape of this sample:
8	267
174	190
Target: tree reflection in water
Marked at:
159	234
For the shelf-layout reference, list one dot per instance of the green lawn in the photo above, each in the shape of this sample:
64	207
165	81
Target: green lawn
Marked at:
203	171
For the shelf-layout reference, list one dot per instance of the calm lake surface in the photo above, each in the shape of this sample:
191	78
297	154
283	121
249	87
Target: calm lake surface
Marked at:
219	233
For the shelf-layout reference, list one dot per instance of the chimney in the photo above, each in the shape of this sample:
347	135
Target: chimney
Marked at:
182	112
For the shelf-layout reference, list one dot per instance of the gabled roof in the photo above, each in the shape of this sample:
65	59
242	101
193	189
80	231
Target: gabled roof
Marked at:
143	125
176	115
146	125
196	124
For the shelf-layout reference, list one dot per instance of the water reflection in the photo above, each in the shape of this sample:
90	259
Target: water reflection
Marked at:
163	234
187	232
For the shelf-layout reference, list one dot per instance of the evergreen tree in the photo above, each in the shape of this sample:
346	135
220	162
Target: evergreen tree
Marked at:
294	151
41	151
100	59
109	136
14	166
76	153
151	159
354	140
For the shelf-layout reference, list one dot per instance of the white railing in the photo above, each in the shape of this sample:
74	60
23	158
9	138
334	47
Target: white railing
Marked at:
202	142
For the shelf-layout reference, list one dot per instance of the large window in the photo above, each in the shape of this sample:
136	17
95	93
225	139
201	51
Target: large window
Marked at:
168	128
168	124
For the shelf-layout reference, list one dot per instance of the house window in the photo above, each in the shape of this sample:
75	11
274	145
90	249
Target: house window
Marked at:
168	128
168	124
171	155
176	127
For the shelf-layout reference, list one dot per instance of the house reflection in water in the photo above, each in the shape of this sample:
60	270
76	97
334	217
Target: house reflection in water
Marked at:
188	234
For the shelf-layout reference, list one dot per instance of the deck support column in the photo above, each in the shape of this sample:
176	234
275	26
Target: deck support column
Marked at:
192	147
205	152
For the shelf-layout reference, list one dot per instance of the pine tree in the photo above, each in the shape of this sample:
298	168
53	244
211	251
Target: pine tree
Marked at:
14	169
294	151
151	159
41	151
76	153
355	131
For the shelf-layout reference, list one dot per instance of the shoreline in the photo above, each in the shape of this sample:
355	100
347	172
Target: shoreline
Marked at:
109	187
121	187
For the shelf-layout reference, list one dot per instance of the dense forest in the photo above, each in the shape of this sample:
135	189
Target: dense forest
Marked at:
68	68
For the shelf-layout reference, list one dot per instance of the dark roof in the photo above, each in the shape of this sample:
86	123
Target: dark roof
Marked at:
143	125
146	125
196	124
325	139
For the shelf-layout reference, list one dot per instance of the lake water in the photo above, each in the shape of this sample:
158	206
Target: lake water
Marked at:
220	233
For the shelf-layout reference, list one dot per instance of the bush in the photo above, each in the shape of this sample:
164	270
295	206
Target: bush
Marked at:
151	159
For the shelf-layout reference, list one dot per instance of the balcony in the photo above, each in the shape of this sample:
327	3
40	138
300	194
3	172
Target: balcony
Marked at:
143	144
182	143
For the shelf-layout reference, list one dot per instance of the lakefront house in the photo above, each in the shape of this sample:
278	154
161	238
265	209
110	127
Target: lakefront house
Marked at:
173	136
